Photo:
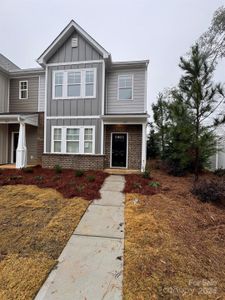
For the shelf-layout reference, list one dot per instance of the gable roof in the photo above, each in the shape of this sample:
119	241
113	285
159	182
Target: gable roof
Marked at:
62	37
7	64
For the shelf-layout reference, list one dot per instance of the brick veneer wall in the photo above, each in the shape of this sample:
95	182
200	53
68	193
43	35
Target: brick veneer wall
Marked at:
40	136
134	144
79	161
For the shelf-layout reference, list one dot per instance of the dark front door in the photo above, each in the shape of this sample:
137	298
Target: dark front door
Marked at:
119	150
15	144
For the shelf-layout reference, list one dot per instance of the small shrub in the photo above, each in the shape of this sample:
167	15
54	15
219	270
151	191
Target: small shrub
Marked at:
146	174
79	173
28	170
39	178
91	178
58	169
80	188
72	183
219	172
175	169
137	185
210	190
16	177
154	184
56	178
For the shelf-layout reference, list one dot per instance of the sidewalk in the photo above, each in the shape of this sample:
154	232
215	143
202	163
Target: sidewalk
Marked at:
91	265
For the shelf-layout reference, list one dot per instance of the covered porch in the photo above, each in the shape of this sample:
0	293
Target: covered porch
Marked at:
18	135
125	141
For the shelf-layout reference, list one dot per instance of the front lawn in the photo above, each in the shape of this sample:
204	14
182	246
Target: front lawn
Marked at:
174	246
35	225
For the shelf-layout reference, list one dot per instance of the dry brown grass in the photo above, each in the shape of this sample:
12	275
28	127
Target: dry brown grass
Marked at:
174	247
35	225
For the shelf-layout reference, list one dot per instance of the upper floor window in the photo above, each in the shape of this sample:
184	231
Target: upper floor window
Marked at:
70	84
125	87
73	139
23	89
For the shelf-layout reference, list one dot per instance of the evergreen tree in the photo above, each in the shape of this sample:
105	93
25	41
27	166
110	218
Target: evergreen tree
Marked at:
180	136
201	98
152	143
161	118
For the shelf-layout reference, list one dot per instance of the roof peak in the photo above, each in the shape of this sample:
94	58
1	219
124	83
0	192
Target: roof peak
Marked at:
65	34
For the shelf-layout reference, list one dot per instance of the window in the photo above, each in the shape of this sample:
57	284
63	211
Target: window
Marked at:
125	87
57	140
88	140
23	89
73	139
70	84
74	84
58	84
89	83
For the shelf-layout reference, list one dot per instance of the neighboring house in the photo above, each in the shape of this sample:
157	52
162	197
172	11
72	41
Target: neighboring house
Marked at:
217	161
79	109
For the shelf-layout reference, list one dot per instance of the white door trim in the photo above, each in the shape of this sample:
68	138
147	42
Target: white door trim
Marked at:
144	145
12	145
111	151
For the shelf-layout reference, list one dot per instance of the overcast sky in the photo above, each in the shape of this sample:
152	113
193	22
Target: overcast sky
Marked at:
158	30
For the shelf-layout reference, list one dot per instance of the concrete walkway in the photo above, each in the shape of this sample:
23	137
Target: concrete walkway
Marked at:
91	265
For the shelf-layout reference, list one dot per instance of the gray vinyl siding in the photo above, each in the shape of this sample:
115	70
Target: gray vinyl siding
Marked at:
75	122
3	143
41	94
81	53
75	107
4	88
24	105
115	106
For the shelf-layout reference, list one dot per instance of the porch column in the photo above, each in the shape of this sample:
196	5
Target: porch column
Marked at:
144	145
21	151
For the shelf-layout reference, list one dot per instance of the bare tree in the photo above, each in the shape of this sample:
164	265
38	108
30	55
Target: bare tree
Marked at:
212	42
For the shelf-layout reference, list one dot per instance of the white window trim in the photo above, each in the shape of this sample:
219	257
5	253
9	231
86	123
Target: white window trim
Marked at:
81	140
65	83
57	140
132	87
20	90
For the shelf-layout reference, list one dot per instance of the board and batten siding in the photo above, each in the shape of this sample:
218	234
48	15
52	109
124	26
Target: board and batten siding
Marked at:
4	90
115	106
75	107
41	94
83	52
24	105
3	143
74	122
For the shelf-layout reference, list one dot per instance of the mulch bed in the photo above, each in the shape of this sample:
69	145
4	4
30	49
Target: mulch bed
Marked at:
137	184
67	183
